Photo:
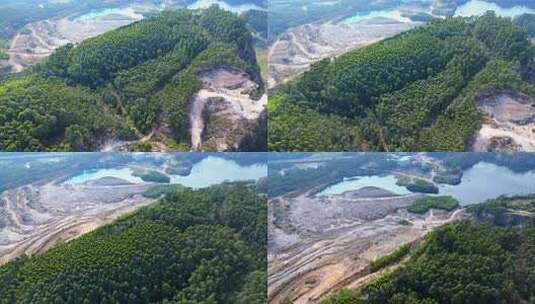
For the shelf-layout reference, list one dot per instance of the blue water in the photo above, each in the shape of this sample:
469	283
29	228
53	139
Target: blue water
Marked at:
479	7
486	181
481	182
207	172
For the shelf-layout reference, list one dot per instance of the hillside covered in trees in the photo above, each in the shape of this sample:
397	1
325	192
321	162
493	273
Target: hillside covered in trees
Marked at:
417	91
203	246
131	83
482	260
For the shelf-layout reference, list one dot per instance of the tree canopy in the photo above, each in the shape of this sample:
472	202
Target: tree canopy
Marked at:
204	246
413	92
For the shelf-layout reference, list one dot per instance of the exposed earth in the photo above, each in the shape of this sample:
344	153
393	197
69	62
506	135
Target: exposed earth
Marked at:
39	39
508	123
318	245
224	110
37	216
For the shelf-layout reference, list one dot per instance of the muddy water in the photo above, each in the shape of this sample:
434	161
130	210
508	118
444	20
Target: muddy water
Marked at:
485	181
209	171
387	182
478	8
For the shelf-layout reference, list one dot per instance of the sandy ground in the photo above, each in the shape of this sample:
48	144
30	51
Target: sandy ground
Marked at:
313	253
293	52
225	93
508	123
35	217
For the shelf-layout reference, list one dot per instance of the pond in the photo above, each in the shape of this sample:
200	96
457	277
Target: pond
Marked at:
479	7
486	181
387	182
209	171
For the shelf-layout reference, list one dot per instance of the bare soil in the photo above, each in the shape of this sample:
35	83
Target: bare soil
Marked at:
293	52
226	99
508	123
318	245
38	216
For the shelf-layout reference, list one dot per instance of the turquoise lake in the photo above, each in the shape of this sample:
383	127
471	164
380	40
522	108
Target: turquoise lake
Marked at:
478	8
387	182
481	182
209	171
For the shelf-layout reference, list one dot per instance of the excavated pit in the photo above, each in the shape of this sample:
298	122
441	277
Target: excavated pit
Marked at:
508	123
35	217
293	52
318	245
223	110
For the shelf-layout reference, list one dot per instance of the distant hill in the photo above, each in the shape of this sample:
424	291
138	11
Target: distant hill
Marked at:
124	84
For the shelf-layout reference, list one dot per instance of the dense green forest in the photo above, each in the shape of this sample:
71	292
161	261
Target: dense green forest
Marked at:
203	246
122	84
412	92
462	262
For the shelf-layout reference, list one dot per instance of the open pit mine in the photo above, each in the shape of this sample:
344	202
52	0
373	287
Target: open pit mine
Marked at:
318	245
296	49
37	216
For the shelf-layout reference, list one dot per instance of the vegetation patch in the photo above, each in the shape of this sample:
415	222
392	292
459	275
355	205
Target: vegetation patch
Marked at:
423	205
151	175
158	191
390	259
423	186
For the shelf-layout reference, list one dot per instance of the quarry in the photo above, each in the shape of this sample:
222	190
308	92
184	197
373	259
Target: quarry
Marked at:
37	216
312	254
508	123
224	110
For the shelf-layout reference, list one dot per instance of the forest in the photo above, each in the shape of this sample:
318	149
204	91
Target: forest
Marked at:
122	84
415	91
462	262
202	246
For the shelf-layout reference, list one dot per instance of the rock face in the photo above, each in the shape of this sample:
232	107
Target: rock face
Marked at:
505	219
508	123
224	111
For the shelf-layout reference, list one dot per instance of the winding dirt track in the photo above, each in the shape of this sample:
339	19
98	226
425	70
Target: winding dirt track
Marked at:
314	253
